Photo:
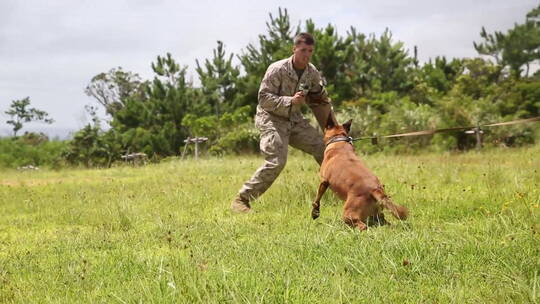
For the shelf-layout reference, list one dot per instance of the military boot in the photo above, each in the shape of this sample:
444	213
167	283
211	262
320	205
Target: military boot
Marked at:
240	205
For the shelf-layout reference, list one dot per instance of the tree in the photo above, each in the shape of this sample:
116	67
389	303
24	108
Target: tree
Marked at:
492	46
441	74
219	79
154	125
378	65
111	89
479	78
331	57
522	47
20	113
519	47
275	45
390	64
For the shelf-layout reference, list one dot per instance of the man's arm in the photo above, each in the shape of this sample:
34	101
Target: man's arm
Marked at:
319	102
318	93
269	99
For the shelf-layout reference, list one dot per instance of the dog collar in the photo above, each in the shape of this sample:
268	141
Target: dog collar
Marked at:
338	139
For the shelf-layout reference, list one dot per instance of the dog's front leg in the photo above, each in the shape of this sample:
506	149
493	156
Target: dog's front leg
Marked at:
315	212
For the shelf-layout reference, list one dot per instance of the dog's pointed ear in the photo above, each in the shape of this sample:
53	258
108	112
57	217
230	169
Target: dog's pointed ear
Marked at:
347	126
330	121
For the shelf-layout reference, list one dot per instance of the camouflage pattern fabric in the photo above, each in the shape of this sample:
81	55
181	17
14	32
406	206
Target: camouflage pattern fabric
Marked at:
279	85
282	124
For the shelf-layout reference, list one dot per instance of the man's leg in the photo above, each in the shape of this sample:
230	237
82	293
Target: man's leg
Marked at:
306	138
273	146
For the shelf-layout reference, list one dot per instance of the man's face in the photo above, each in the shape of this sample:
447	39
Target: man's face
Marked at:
302	54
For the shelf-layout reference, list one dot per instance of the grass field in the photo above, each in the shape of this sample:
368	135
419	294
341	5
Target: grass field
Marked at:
164	234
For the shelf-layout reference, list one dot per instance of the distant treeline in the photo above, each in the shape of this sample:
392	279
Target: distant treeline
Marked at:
372	79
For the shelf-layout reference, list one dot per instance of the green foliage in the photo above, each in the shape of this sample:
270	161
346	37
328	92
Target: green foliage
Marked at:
243	140
479	78
389	64
218	80
478	97
255	59
30	149
274	46
517	48
371	78
440	74
524	99
91	147
154	125
492	46
231	133
378	65
332	54
20	113
400	116
112	89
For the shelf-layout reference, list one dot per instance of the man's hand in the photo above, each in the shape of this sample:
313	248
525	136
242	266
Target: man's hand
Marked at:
298	98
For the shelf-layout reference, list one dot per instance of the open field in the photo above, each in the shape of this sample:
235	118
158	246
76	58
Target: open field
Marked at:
164	234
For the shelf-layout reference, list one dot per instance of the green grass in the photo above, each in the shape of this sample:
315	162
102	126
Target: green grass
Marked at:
164	234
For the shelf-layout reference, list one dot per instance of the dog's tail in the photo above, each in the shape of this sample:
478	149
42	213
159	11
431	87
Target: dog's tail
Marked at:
400	212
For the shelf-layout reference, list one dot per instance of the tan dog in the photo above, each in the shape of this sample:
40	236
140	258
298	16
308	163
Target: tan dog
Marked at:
352	181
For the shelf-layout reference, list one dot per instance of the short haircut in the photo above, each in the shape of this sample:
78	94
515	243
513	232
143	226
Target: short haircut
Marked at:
305	38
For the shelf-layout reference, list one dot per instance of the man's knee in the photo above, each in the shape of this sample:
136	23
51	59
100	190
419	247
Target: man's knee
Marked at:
263	178
274	165
274	148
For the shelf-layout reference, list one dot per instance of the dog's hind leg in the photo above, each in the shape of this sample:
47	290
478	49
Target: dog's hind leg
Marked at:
355	212
315	212
354	222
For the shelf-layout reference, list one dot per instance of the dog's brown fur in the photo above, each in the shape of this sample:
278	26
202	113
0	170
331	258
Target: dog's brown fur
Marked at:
353	182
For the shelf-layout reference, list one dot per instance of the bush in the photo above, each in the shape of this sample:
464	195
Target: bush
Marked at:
400	116
230	133
91	147
30	149
245	139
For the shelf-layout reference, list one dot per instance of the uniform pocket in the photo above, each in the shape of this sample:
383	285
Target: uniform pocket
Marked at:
268	143
262	122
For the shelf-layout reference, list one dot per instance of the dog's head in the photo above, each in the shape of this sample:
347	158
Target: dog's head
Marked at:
333	130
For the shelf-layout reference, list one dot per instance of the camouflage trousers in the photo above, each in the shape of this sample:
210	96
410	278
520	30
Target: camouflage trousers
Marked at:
275	139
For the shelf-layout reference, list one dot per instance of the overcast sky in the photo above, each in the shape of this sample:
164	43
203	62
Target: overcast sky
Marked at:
49	50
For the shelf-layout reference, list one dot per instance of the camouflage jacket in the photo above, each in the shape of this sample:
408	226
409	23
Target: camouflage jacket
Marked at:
279	84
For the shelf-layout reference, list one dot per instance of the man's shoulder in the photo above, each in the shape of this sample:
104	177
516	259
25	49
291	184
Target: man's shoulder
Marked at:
284	63
278	65
313	67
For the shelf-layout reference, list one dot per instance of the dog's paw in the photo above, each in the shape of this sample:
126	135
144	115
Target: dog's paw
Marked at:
315	214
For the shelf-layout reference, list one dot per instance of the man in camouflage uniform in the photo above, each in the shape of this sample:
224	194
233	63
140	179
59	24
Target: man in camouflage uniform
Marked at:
287	85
